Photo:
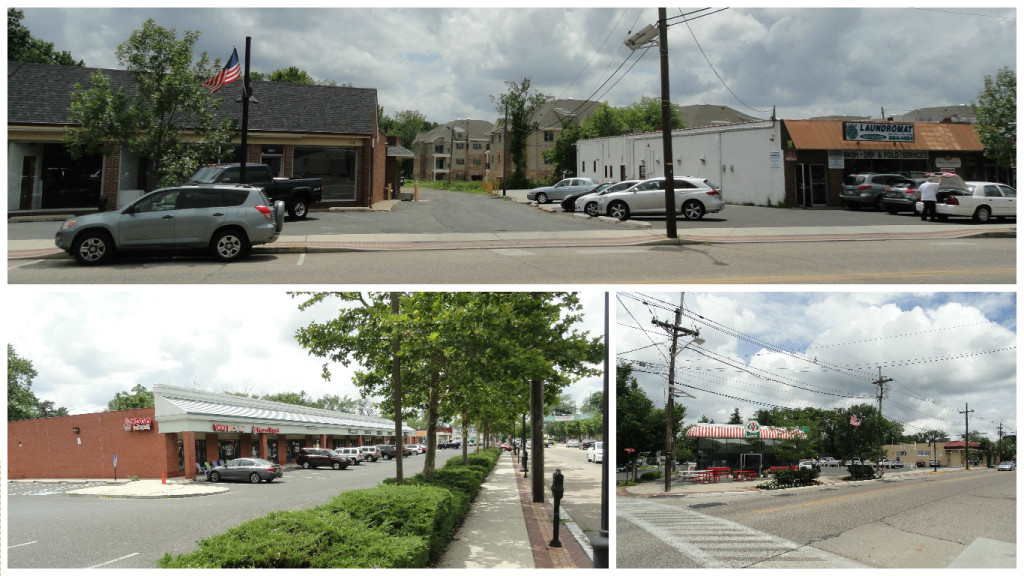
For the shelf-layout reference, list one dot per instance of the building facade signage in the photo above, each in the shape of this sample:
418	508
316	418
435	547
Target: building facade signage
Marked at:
242	429
136	424
883	154
878	131
752	429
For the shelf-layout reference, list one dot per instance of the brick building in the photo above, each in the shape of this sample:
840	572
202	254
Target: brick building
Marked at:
185	427
330	132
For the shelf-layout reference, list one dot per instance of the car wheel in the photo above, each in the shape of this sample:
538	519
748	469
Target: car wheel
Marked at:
693	210
254	478
387	457
878	204
982	214
305	464
336	465
229	245
542	198
299	209
214	477
93	248
591	209
619	210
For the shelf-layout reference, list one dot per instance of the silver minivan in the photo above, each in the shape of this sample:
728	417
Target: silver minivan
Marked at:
225	219
370	453
353	455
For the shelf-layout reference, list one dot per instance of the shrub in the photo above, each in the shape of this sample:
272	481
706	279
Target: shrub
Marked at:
861	472
650	476
793	478
428	512
316	538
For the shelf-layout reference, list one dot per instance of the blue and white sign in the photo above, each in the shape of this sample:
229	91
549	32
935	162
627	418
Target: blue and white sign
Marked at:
878	131
115	460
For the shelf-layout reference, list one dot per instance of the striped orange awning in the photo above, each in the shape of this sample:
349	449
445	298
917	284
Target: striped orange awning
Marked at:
737	431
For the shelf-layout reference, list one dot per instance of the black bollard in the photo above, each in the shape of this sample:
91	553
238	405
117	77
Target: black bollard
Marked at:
557	489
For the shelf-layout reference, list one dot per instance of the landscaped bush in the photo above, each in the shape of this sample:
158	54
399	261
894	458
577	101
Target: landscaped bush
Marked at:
429	512
389	526
316	538
861	472
791	479
650	476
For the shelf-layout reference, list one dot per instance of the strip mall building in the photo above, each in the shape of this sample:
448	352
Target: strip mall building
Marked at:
184	428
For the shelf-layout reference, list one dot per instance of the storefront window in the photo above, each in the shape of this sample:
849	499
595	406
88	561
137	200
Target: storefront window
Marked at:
51	179
335	166
293	448
272	450
181	454
201	451
229	449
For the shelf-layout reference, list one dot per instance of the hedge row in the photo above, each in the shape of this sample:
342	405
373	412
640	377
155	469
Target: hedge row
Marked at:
389	526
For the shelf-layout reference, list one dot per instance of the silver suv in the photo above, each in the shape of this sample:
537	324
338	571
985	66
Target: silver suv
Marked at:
868	189
227	220
370	453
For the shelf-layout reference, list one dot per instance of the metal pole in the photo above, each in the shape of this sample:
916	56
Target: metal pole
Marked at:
504	155
600	542
670	405
666	129
245	113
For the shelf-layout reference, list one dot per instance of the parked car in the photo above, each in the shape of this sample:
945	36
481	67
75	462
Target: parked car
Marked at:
369	453
588	202
886	463
450	444
920	464
572	443
867	189
569	202
416	448
596	452
934	462
226	220
352	454
694	197
317	457
807	464
253	470
1007	465
902	196
980	201
563	188
829	461
587	444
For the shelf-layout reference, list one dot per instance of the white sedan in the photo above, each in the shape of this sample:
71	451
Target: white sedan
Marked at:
694	198
596	453
982	201
588	202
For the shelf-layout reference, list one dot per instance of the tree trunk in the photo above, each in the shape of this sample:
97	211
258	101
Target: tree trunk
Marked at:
432	407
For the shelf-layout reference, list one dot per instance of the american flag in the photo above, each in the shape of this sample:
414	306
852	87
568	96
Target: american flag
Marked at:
228	74
854	420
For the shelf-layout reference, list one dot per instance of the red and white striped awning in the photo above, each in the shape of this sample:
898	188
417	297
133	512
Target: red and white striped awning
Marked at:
738	431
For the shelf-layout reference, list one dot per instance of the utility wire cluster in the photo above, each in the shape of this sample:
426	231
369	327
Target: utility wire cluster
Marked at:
772	380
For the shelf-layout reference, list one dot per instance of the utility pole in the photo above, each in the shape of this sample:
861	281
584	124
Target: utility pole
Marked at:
881	389
967	439
504	154
999	444
675	331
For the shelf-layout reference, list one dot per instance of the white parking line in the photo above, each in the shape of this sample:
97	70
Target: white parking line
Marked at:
302	258
25	544
114	560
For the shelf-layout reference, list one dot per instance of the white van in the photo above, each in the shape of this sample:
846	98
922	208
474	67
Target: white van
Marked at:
353	455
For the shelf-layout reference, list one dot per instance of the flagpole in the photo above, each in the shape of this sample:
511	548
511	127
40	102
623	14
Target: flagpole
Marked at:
245	113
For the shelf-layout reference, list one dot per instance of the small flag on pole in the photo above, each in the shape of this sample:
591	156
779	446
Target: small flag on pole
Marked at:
228	74
854	420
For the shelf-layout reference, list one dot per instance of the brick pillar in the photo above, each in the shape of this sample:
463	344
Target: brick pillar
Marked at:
188	441
263	446
212	449
323	440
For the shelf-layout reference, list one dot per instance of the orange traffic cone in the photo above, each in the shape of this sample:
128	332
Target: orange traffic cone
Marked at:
163	477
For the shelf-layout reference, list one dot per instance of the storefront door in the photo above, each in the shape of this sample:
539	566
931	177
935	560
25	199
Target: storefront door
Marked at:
811	185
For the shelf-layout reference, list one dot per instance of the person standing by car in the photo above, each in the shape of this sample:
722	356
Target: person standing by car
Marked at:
928	198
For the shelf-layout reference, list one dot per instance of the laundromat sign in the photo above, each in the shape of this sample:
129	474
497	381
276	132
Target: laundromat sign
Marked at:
244	429
878	131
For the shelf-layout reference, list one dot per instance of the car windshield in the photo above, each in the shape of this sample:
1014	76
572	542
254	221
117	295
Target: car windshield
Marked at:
599	446
206	175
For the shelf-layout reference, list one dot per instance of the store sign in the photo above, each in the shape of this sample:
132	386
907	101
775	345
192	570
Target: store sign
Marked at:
242	429
885	154
948	162
752	429
136	424
260	430
878	131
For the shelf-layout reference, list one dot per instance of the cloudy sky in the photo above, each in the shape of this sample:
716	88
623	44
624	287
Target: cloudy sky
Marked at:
941	349
447	62
87	345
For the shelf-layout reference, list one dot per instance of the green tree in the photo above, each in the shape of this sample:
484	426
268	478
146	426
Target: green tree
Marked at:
735	418
167	103
645	115
292	75
405	125
22	47
517	106
138	397
996	111
21	402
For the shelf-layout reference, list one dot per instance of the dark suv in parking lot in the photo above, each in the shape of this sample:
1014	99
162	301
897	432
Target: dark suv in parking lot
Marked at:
868	189
316	457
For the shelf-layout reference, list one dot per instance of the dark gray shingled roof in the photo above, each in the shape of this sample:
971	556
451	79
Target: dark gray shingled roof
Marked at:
41	94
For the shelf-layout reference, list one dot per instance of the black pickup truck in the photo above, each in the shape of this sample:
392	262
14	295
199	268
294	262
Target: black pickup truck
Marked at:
298	194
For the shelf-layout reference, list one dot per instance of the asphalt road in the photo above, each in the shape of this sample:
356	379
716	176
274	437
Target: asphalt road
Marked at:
47	528
923	521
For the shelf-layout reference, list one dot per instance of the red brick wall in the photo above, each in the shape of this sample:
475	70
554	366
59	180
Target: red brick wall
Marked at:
49	448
